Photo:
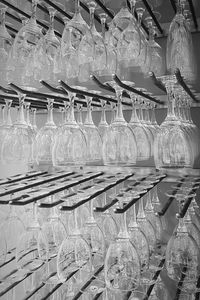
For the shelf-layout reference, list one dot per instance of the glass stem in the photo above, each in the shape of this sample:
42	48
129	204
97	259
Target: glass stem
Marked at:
75	221
119	116
112	113
134	116
71	108
92	9
3	114
103	29
103	114
51	16
80	117
34	118
34	8
141	214
171	102
21	109
91	208
8	119
123	232
133	221
88	119
28	113
50	112
77	6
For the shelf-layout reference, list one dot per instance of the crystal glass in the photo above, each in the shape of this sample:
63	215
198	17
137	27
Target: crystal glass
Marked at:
54	232
141	137
46	52
93	138
155	57
70	142
146	227
18	143
182	257
74	255
22	51
95	238
99	62
129	43
172	144
5	126
119	145
122	263
103	125
179	46
44	139
29	253
139	240
5	46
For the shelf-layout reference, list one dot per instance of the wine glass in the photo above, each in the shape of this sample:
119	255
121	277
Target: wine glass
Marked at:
171	147
179	46
140	134
182	256
139	240
99	62
111	53
155	59
122	264
22	50
129	43
70	144
18	143
146	227
5	127
103	125
46	52
93	138
5	46
29	254
44	139
119	145
54	232
74	256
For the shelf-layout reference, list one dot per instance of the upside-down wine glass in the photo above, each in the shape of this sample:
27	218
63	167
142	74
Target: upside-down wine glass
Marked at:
139	240
25	41
103	125
129	43
140	134
5	46
111	64
74	256
119	145
45	52
93	138
180	47
99	62
70	143
29	253
54	232
18	143
172	143
5	127
44	139
122	263
182	257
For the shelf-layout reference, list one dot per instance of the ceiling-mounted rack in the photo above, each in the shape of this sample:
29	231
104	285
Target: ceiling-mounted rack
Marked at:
180	81
185	86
